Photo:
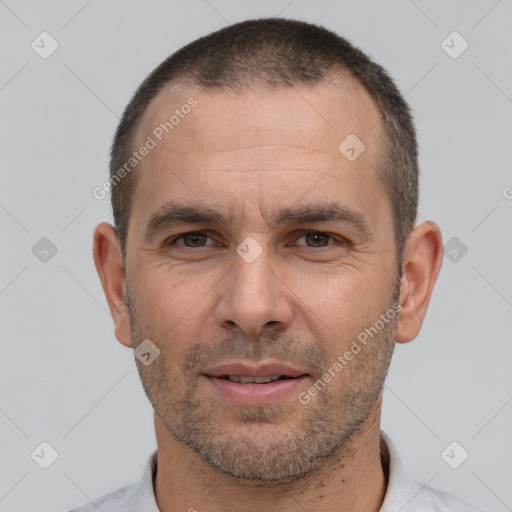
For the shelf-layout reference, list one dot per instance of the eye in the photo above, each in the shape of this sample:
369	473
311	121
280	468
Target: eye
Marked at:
315	239
192	239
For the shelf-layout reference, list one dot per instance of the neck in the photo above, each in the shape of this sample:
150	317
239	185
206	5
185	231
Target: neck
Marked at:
350	481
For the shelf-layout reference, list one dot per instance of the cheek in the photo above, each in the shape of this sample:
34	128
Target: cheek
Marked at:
176	308
163	299
336	309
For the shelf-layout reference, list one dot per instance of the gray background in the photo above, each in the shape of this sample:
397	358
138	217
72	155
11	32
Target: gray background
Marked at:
64	378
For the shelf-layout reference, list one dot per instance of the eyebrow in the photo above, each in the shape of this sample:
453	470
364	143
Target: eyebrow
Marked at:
304	214
173	214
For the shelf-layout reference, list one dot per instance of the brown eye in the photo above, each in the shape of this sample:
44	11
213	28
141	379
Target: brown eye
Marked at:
315	239
192	240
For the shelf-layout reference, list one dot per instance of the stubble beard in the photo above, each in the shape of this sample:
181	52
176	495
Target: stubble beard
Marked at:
262	446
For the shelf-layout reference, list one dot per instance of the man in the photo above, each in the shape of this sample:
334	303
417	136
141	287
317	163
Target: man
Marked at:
264	261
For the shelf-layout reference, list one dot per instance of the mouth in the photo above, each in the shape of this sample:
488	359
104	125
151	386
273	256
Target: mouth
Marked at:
257	385
255	380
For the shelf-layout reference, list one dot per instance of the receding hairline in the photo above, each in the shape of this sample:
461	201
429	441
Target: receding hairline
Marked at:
187	87
339	77
278	53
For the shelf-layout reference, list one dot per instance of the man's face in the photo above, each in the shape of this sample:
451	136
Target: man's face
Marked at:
295	260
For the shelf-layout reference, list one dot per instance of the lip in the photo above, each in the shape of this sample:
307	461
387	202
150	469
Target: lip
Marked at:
254	394
258	370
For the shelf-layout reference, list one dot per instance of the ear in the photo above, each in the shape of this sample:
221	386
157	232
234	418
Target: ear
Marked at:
423	255
109	265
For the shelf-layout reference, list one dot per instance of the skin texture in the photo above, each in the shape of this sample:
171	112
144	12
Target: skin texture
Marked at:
302	301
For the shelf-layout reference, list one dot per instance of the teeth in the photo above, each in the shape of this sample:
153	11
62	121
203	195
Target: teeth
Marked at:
262	380
257	380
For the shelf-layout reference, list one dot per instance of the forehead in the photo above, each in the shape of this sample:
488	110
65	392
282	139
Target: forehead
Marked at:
314	118
259	150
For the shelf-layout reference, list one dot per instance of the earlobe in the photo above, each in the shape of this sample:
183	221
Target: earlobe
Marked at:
109	265
423	255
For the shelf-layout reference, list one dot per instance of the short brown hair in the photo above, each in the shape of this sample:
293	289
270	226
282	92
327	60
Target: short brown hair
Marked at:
275	52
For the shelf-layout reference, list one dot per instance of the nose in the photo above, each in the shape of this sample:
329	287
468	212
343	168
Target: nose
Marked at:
254	299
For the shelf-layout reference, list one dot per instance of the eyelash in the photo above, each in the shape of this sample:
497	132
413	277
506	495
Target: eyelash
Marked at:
173	240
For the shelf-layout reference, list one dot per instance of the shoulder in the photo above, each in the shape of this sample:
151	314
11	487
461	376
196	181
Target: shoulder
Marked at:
117	501
132	498
434	500
404	494
413	497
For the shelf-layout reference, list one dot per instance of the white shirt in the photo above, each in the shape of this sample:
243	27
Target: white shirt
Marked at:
403	494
